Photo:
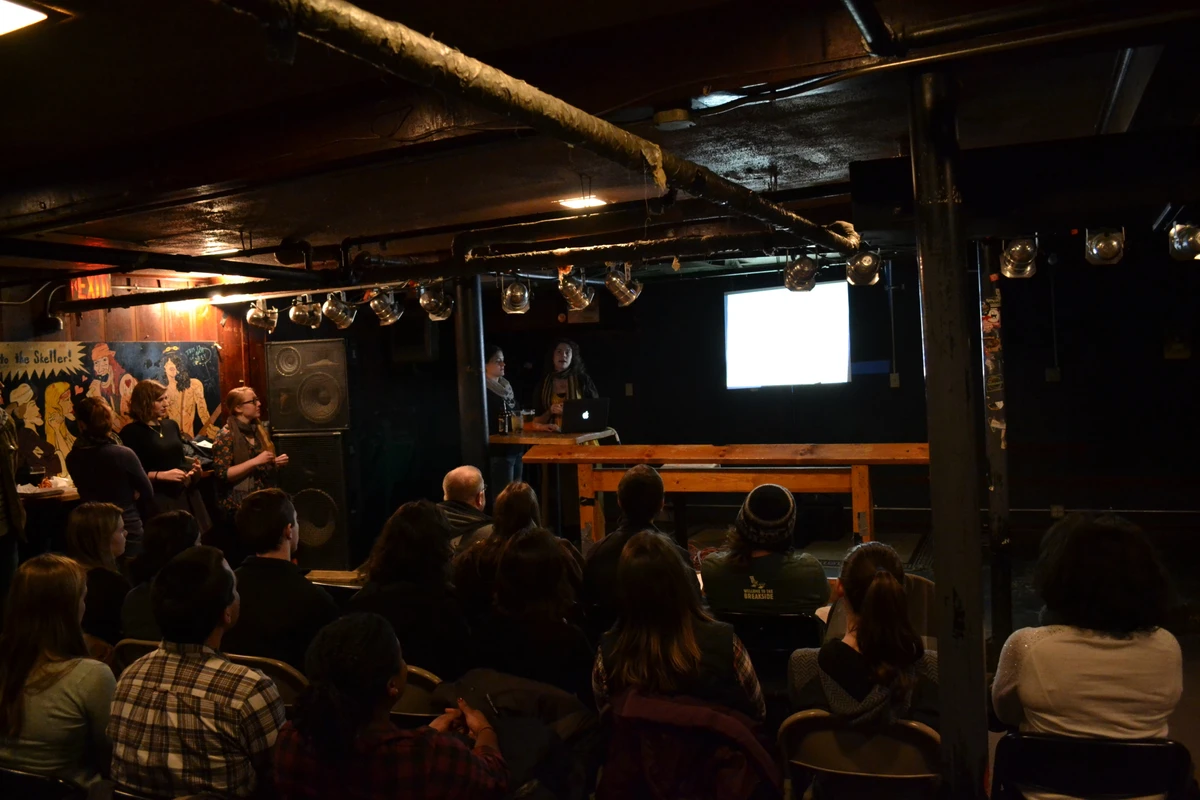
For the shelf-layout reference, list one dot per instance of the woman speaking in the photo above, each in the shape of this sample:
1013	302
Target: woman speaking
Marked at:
243	455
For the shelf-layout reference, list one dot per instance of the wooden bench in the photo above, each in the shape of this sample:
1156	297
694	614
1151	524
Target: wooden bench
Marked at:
833	468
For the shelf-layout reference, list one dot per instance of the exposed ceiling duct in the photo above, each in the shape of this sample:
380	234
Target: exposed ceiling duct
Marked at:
402	51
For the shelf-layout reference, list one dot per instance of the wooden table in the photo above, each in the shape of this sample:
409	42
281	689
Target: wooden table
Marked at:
552	439
66	496
734	468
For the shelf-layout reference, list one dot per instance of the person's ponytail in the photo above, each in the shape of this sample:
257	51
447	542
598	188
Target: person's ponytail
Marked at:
885	636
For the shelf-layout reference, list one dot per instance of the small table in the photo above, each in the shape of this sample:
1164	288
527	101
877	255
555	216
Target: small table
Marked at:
552	438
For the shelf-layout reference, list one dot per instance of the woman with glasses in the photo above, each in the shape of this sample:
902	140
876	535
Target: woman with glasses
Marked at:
244	457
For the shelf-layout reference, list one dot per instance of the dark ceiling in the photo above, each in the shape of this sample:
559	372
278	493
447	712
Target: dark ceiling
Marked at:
171	127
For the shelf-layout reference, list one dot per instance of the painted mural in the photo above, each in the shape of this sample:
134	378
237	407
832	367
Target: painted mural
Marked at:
40	382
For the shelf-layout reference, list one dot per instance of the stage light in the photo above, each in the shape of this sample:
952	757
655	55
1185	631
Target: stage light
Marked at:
339	312
1104	246
1185	242
626	291
305	313
14	17
800	275
863	269
260	315
384	304
516	298
577	293
591	201
1019	258
436	303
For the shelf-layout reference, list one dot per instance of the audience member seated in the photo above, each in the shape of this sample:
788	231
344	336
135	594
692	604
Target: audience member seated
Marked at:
464	498
408	583
879	671
166	536
281	611
475	567
96	539
527	635
106	471
342	743
640	498
1103	667
761	572
54	701
185	719
664	642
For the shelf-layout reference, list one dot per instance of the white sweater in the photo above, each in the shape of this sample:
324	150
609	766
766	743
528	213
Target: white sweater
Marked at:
1074	682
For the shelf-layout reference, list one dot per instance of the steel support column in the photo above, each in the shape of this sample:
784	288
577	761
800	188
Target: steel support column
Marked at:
995	445
951	386
472	391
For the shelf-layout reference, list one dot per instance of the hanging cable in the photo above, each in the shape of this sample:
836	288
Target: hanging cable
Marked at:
27	299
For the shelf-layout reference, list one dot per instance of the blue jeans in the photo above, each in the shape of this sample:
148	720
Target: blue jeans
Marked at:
503	470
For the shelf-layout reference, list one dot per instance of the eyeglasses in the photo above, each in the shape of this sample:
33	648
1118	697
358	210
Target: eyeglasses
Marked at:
254	401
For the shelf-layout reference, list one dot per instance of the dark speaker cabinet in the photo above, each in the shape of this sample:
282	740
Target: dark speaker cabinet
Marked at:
315	477
306	385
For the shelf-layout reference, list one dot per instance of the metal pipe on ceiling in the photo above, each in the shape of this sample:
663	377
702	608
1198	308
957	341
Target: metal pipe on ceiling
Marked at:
877	36
119	260
134	299
1131	75
994	21
402	51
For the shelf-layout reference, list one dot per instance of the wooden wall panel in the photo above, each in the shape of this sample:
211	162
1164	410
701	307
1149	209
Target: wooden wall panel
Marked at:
148	324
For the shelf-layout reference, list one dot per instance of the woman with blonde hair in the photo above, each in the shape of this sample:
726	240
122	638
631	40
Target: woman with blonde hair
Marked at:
243	454
96	539
54	701
664	642
58	411
157	441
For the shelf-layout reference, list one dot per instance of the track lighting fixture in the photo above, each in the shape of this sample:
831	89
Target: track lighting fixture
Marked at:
436	303
262	316
577	293
515	299
1185	242
1104	246
305	313
800	275
863	269
1019	258
625	290
339	312
384	304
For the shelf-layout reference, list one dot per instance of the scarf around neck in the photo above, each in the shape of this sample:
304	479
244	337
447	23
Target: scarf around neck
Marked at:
502	388
241	448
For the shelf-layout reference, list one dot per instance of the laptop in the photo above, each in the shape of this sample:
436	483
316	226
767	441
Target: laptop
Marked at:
585	416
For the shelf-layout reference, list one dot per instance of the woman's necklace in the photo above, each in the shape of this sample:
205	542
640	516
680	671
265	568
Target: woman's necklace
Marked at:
157	429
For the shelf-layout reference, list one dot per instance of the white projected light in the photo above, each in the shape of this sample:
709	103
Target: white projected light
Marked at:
775	337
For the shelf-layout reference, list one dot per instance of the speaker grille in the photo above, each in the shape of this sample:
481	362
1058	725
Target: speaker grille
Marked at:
315	477
306	385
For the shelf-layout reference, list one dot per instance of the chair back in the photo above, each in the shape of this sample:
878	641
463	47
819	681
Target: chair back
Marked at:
902	758
1092	768
287	678
415	706
127	651
28	786
771	638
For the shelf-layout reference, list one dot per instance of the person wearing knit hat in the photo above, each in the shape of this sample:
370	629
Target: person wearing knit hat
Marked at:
760	570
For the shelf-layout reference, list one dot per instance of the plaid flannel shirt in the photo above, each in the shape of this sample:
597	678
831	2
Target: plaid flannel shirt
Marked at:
387	765
187	720
742	667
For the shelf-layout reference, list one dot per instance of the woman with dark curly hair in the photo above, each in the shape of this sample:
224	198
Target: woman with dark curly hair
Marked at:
185	397
341	741
1103	667
408	583
566	379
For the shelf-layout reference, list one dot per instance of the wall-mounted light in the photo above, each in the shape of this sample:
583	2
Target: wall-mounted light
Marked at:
800	275
577	293
339	312
863	269
582	202
436	303
260	315
305	313
384	304
14	17
1019	258
1104	246
516	298
1185	242
626	291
